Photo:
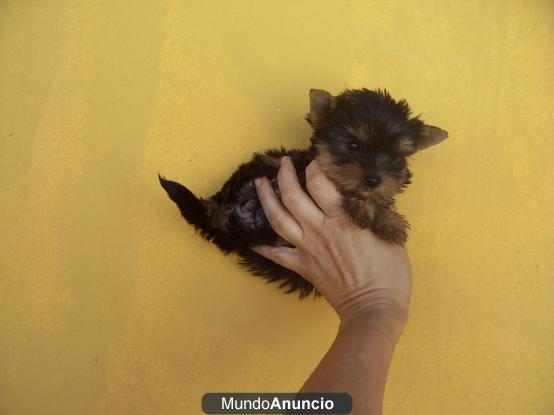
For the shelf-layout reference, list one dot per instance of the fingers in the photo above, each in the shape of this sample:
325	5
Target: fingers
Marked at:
282	255
295	199
323	191
281	221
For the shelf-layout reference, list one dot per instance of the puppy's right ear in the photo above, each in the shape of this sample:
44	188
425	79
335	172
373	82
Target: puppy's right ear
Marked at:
322	104
430	136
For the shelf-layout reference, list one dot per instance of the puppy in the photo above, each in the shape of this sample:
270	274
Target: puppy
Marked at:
362	140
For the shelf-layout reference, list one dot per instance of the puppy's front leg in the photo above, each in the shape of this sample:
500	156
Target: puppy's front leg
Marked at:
384	221
361	213
390	226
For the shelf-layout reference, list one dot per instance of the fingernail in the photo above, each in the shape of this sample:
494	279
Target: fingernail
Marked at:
284	159
258	181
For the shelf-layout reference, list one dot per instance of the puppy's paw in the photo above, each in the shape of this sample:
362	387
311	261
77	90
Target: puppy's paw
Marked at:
361	212
391	226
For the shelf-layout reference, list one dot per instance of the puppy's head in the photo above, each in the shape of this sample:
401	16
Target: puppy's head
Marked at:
363	139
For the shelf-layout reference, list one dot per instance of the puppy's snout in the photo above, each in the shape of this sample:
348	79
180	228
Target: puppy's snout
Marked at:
372	180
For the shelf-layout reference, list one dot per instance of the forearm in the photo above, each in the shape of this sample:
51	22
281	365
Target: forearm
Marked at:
358	362
365	279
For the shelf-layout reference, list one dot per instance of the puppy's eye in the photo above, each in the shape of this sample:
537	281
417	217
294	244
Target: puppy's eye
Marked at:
354	146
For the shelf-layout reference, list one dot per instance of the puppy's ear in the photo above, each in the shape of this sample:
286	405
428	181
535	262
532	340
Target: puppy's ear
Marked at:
430	136
322	104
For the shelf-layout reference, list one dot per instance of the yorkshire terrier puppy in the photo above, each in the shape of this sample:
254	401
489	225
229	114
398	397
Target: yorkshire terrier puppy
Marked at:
362	140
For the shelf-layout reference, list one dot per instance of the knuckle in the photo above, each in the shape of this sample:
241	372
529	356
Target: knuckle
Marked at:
271	253
310	171
277	255
309	168
278	221
318	232
324	238
280	174
316	183
290	198
312	167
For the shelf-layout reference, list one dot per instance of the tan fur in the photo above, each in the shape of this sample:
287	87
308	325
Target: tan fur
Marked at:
347	178
360	132
272	161
368	208
406	145
322	103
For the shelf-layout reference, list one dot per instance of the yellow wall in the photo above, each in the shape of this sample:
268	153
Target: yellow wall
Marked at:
110	304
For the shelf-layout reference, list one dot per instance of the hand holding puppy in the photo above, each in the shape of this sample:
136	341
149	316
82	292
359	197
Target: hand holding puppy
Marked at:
359	274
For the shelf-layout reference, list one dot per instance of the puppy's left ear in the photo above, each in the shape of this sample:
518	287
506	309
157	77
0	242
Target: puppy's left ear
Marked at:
430	136
322	104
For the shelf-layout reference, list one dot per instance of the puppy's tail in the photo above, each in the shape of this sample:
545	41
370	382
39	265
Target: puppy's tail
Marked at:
192	208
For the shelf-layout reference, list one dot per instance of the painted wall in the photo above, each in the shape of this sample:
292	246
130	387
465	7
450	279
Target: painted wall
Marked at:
109	304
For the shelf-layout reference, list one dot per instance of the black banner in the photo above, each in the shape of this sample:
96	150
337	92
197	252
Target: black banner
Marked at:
277	403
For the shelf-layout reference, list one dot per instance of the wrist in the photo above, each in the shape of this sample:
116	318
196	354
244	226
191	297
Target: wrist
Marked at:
387	321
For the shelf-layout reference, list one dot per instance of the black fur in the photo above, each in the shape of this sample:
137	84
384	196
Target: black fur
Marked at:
361	130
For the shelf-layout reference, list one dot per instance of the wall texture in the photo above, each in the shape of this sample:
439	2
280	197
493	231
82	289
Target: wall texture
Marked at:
109	304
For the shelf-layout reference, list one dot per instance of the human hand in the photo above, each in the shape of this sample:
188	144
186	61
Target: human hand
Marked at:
360	275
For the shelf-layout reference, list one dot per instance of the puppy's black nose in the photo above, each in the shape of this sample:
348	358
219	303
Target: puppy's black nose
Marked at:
372	180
